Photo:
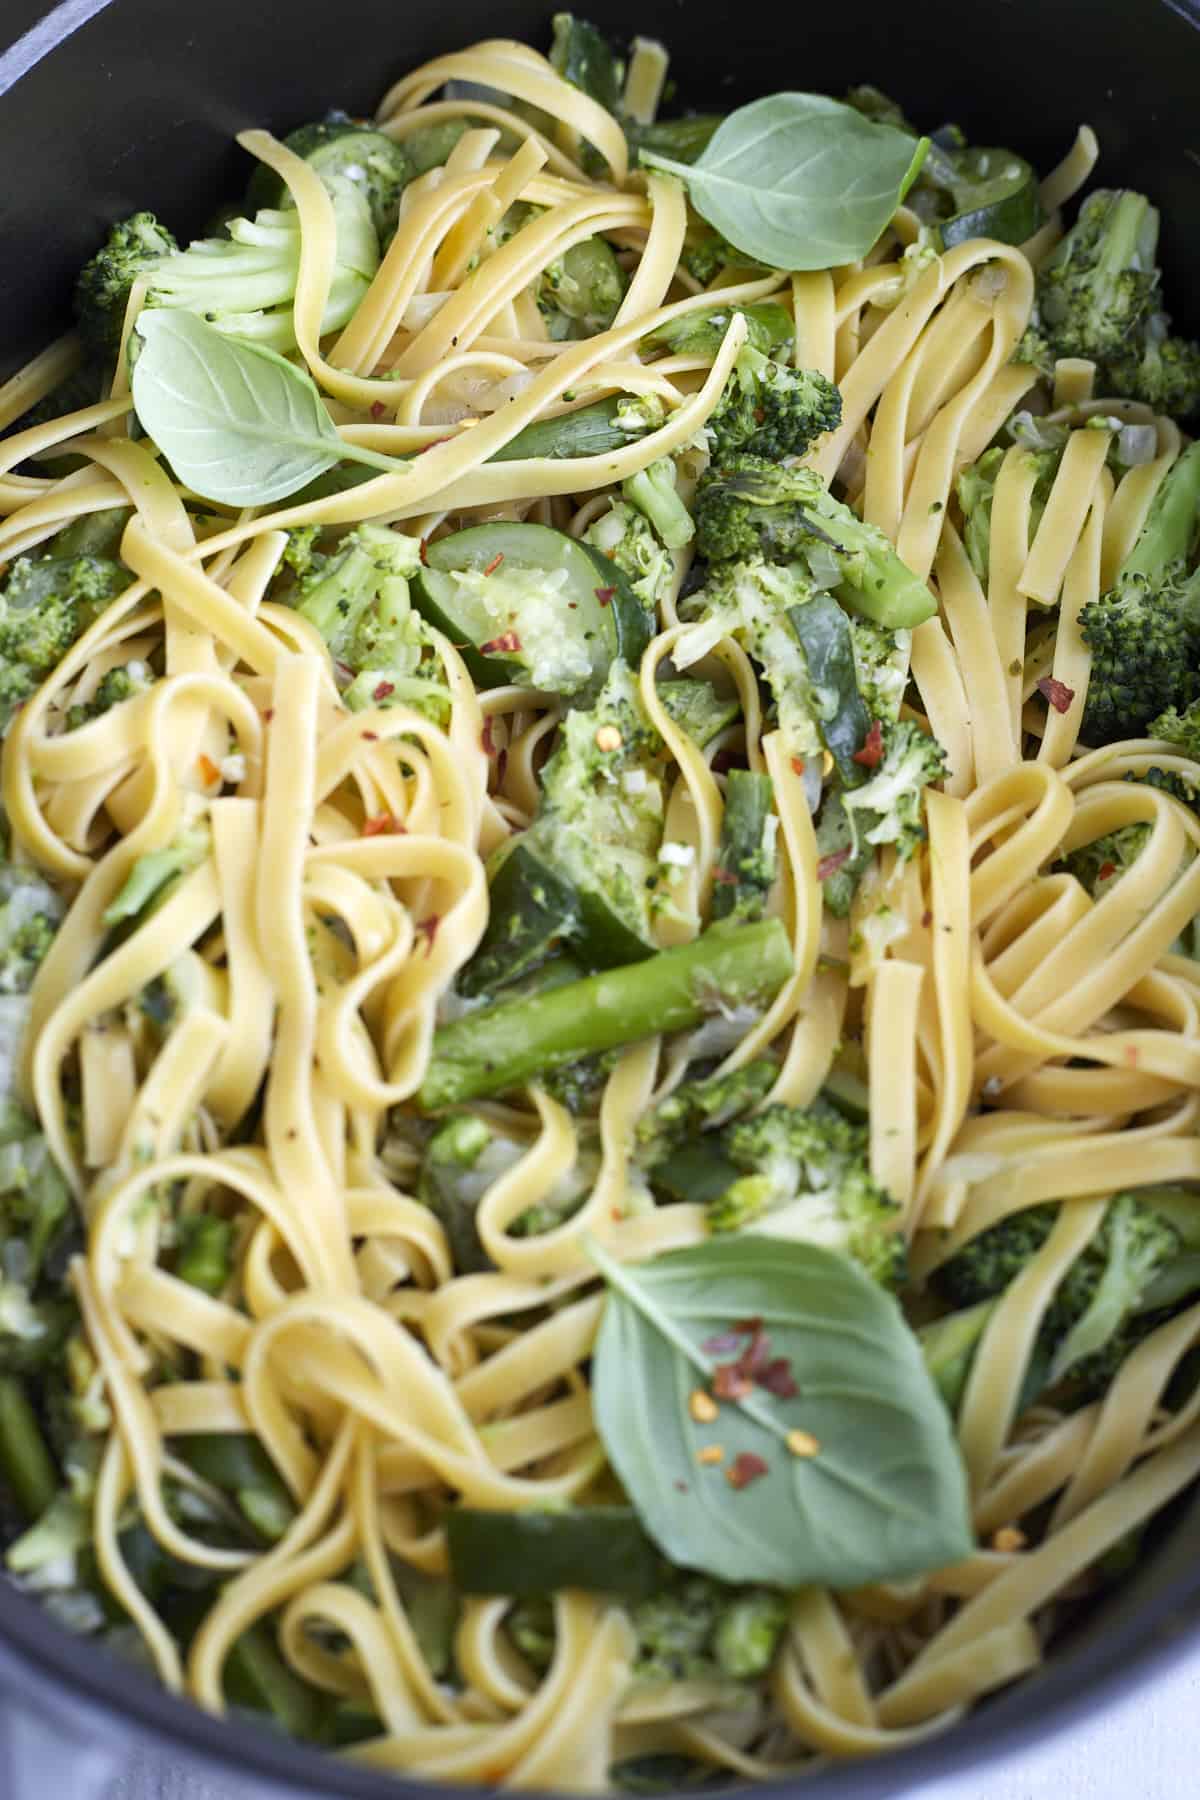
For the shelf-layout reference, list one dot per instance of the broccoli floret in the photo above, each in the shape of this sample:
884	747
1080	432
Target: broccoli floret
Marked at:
1140	1262
695	1629
880	667
806	1178
889	808
771	410
1182	731
750	600
769	330
300	551
47	602
711	253
133	247
30	914
706	1105
155	874
1161	370
842	856
751	507
652	490
1098	864
1144	633
357	597
124	682
625	534
1099	284
35	1209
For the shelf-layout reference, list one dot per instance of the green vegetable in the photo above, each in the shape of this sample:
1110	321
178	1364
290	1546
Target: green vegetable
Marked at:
156	873
771	410
461	1161
552	613
581	292
339	149
507	1044
257	1677
799	181
683	140
824	633
883	1497
698	709
133	247
750	507
584	57
770	330
593	430
204	1253
978	192
702	1105
236	1463
46	603
601	1548
1144	633
889	808
125	682
746	860
358	597
26	1465
805	1178
949	1345
235	421
652	491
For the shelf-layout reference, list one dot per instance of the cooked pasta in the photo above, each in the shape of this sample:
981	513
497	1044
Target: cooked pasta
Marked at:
306	1322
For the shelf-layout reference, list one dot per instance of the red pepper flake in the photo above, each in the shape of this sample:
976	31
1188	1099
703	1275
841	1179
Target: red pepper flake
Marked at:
749	1327
757	1355
495	563
745	1468
759	414
382	689
721	1343
268	715
377	409
927	918
604	595
485	739
428	929
1057	693
797	765
507	644
209	772
730	1381
1107	871
501	766
432	445
829	865
778	1379
724	877
371	737
1131	1055
381	825
871	754
423	551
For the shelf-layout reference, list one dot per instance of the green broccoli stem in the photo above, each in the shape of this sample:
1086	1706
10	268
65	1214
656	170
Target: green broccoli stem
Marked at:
502	1046
1171	526
26	1464
205	1251
745	863
652	491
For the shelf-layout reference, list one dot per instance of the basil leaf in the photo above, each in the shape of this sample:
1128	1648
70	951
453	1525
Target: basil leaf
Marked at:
237	423
884	1497
799	181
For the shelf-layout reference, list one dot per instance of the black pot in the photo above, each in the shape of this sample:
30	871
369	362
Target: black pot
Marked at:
107	106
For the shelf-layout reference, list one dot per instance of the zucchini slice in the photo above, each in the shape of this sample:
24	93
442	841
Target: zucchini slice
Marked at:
530	606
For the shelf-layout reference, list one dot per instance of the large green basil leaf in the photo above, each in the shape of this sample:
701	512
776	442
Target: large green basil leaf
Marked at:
799	181
237	423
885	1495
